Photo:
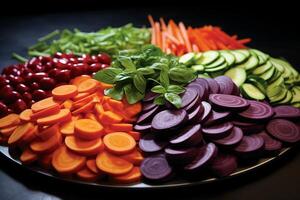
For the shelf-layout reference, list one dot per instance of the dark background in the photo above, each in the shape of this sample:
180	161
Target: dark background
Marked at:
273	28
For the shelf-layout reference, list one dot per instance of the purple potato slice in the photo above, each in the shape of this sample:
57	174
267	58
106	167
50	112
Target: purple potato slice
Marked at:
189	136
207	111
228	102
216	118
284	130
169	119
213	86
234	138
150	96
148	106
271	144
194	104
180	156
147	116
188	96
218	131
148	144
204	83
287	112
250	145
257	111
144	128
195	116
226	84
224	164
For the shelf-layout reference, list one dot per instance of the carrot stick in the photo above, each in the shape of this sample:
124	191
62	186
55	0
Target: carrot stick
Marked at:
150	18
131	177
62	116
84	147
119	143
172	38
83	101
25	115
46	146
244	41
195	48
185	36
158	34
64	92
163	24
9	120
88	129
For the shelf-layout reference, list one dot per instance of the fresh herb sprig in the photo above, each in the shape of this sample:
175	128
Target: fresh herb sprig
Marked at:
134	72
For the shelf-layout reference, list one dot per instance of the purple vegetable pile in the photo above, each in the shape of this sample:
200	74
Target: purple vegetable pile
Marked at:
213	133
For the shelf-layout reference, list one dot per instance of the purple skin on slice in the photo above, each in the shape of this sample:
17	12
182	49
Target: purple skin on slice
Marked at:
188	96
148	106
195	116
216	117
150	96
271	144
204	83
226	84
224	164
207	111
228	102
284	130
169	119
236	91
189	136
242	124
204	157
257	111
142	128
218	131
194	104
202	92
147	116
250	145
234	138
287	112
156	168
213	86
148	144
256	128
181	156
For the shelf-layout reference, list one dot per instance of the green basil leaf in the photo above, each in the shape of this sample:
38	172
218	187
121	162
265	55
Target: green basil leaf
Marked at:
164	77
107	75
176	89
127	62
155	81
181	74
116	92
160	100
158	89
173	99
121	77
139	82
146	71
132	94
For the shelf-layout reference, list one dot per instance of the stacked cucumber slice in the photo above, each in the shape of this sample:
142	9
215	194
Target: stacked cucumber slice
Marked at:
258	75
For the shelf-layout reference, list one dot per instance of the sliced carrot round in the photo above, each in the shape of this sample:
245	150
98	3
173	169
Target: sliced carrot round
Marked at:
9	120
19	133
84	109
46	160
91	116
119	142
136	135
48	132
112	164
54	109
62	116
109	117
67	104
28	156
91	164
89	85
43	104
66	162
88	129
46	146
131	177
87	175
26	115
29	136
6	132
135	157
84	147
79	79
67	128
64	92
121	127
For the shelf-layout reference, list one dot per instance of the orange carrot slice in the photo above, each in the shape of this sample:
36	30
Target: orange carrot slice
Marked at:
112	164
43	104
91	116
88	86
29	136
86	174
25	115
104	86
83	101
131	177
121	127
46	160
28	156
132	109
9	120
80	96
118	105
91	165
109	117
19	133
119	143
46	146
136	135
79	79
84	109
67	128
99	108
54	109
135	157
84	147
67	104
62	116
88	129
47	132
6	132
64	92
66	162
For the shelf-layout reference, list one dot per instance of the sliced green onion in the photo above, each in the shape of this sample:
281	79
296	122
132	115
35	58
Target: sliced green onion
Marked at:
49	36
19	57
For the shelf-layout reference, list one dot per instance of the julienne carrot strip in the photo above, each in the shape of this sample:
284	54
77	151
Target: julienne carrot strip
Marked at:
185	36
244	41
158	34
163	24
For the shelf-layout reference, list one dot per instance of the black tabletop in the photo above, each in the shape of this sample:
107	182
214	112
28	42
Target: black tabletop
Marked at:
270	32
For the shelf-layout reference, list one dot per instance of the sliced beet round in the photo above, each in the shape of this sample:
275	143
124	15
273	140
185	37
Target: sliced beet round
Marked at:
150	96
189	136
195	116
142	128
288	112
149	144
207	111
242	123
156	168
205	155
271	144
169	119
148	106
284	130
250	145
182	156
188	96
226	84
218	131
203	82
147	116
194	104
236	90
257	111
256	128
216	117
201	87
232	139
213	85
228	102
224	164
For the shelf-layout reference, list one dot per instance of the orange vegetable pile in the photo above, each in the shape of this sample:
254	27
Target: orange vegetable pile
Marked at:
178	40
78	131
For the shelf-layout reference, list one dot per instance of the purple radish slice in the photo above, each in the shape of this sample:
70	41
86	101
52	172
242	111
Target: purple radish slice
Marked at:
218	131
148	144
228	102
234	138
213	86
150	96
148	106
250	145
189	136
257	111
284	130
180	156
169	119
204	157
196	115
216	117
188	96
147	116
226	84
142	128
288	112
156	168
207	111
271	144
224	164
256	128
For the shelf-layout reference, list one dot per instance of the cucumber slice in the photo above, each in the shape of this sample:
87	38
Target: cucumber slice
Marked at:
216	63
204	75
278	66
262	69
277	75
187	59
230	59
252	92
251	63
244	51
274	90
258	82
268	74
208	57
238	75
239	57
279	97
297	105
277	82
260	53
197	68
287	99
197	56
218	68
296	94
